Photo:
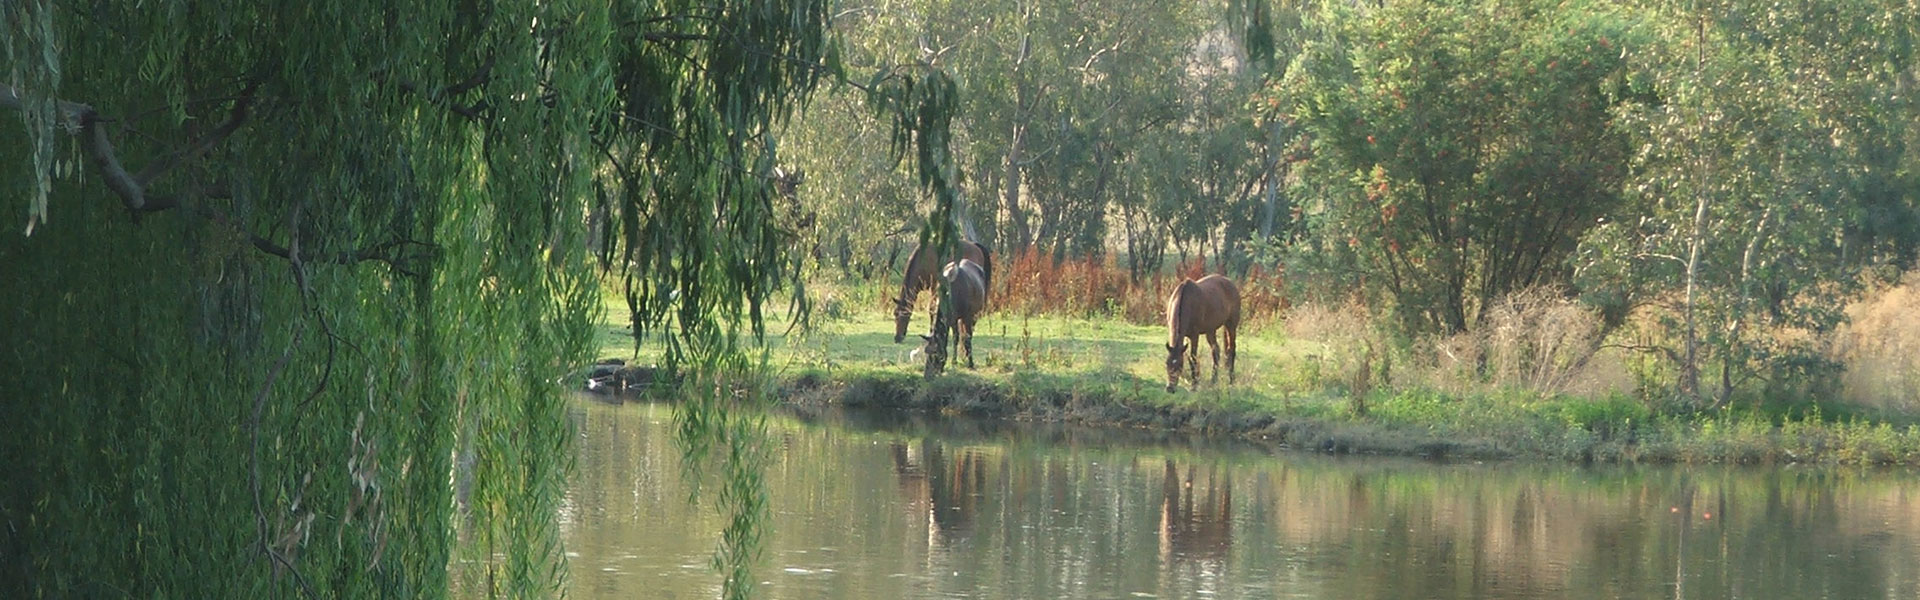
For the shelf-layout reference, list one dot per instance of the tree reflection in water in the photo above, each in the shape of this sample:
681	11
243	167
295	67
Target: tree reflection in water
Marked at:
925	506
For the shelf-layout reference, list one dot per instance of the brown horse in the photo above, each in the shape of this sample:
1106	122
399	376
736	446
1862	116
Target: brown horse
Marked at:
1198	308
967	297
921	268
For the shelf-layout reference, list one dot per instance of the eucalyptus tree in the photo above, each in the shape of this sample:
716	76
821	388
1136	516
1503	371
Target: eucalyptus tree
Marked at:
1773	166
1054	96
1126	87
1057	101
1452	152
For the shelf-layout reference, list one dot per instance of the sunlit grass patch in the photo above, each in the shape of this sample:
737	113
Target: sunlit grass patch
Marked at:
1313	376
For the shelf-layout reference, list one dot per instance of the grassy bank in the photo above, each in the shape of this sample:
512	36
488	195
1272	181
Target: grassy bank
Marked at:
1306	381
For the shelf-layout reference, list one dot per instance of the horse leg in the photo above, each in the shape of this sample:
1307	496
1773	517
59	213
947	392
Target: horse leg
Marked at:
1193	360
953	338
1233	348
1214	345
967	333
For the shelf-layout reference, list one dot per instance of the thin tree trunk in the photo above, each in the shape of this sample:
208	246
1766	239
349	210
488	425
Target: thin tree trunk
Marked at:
1690	370
1010	190
1272	190
1740	311
1016	149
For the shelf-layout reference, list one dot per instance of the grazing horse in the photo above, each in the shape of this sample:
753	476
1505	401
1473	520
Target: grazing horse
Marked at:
1198	308
967	298
921	268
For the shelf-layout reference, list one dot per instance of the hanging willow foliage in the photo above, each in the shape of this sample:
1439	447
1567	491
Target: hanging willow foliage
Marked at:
691	158
301	279
289	262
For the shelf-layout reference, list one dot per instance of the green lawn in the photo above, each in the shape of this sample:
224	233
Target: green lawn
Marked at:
1296	391
1008	346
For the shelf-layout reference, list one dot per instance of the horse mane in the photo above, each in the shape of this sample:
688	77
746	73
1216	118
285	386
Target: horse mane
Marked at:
1186	286
1177	307
917	270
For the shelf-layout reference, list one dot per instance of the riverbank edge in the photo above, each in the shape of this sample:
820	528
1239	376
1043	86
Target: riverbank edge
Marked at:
1675	440
978	397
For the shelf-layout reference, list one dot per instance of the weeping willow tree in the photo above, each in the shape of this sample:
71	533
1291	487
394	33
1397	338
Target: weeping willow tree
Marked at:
293	286
280	266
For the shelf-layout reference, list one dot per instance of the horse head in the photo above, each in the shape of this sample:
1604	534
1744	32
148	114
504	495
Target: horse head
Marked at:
902	313
935	347
1174	355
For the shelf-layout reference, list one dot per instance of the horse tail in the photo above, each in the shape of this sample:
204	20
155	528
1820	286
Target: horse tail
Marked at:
986	266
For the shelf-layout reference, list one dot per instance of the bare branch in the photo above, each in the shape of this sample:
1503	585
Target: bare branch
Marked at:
393	252
83	121
100	151
1661	256
479	77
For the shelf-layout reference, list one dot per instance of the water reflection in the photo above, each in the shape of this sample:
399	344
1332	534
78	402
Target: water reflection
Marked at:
945	491
905	506
1196	523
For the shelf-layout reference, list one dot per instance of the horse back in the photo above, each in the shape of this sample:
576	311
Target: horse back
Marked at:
922	266
967	286
1204	305
1225	295
978	252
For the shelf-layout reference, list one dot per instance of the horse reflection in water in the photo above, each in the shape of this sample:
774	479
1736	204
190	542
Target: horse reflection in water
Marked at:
944	490
1196	517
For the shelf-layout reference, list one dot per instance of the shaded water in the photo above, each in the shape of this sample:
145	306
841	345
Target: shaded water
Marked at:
883	505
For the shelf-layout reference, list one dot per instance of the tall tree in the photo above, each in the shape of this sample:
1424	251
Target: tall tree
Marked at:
271	242
284	264
1763	178
1456	150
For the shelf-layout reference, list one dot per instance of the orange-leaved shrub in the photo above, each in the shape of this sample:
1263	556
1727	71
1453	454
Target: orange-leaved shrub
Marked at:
1032	282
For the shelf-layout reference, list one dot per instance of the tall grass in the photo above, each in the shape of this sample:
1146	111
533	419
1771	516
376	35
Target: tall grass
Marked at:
1880	347
1536	339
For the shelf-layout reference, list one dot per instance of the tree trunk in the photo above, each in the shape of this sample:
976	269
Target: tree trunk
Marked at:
1016	149
1272	186
1690	369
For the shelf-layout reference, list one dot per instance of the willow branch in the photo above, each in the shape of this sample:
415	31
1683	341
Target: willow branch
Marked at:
391	251
387	252
442	97
242	107
85	123
253	454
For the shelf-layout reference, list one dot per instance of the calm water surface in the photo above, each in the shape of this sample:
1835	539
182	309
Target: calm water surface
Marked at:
884	505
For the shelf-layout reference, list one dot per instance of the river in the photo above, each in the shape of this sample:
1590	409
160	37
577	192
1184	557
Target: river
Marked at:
883	505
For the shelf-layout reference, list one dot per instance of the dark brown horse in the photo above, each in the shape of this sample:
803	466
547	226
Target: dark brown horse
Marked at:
921	268
1198	308
966	298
